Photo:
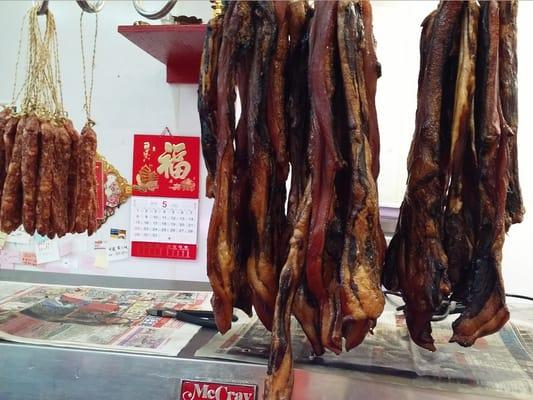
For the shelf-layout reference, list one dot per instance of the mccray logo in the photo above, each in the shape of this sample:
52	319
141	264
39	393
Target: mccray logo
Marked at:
198	390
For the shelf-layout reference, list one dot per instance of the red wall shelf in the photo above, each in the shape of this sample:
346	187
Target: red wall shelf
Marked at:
179	47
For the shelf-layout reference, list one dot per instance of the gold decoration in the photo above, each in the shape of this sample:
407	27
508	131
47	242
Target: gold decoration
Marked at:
116	188
172	162
146	180
187	185
217	7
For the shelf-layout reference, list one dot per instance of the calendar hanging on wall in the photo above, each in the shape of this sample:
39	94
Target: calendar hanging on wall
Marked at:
164	208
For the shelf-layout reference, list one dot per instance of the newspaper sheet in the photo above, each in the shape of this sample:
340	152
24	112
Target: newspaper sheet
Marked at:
500	365
97	318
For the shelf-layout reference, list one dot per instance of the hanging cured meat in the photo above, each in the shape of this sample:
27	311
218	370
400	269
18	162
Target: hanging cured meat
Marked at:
417	262
45	183
225	262
364	244
85	203
486	311
5	116
28	170
43	186
10	209
304	305
207	99
463	191
280	380
509	98
459	235
265	246
306	79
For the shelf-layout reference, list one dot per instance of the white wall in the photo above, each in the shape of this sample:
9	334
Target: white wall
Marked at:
131	96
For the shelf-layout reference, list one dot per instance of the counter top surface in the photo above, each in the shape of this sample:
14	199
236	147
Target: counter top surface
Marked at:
30	372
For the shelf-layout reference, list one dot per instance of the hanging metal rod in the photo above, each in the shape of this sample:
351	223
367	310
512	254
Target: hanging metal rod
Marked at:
92	7
95	6
139	6
43	9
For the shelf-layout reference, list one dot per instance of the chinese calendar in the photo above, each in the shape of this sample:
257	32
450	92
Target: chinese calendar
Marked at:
164	215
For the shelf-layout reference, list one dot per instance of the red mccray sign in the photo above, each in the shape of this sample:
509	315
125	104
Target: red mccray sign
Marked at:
203	390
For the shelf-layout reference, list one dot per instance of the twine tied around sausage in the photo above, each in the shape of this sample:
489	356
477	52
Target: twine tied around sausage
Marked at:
88	82
41	89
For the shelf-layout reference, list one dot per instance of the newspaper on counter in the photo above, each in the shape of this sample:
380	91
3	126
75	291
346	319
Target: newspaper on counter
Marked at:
97	318
497	365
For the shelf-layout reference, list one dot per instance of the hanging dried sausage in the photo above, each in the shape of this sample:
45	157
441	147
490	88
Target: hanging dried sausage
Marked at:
10	209
29	169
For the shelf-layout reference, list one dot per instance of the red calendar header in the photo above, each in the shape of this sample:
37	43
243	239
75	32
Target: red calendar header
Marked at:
166	166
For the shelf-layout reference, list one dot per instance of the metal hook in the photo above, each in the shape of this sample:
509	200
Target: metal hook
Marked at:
91	7
43	9
166	131
138	4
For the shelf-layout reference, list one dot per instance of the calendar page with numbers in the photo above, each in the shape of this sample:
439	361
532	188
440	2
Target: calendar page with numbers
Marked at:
164	207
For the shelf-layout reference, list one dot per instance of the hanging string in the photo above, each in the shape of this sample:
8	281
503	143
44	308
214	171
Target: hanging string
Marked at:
43	84
15	95
36	92
52	74
88	87
56	78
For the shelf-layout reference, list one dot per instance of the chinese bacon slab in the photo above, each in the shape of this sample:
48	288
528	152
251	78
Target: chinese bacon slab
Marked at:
304	306
277	130
222	268
207	99
463	191
297	102
372	72
364	243
306	77
459	235
349	299
241	182
280	374
263	272
324	157
486	311
509	98
416	262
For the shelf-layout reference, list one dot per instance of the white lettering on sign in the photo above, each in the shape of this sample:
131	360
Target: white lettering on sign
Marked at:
207	391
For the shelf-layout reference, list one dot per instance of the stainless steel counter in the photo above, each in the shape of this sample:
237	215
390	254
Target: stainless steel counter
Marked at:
47	373
31	372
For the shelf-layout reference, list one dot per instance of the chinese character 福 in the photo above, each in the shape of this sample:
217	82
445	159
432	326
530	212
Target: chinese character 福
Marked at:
172	161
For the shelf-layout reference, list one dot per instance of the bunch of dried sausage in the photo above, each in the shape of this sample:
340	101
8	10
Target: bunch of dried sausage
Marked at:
463	191
47	175
47	180
306	79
